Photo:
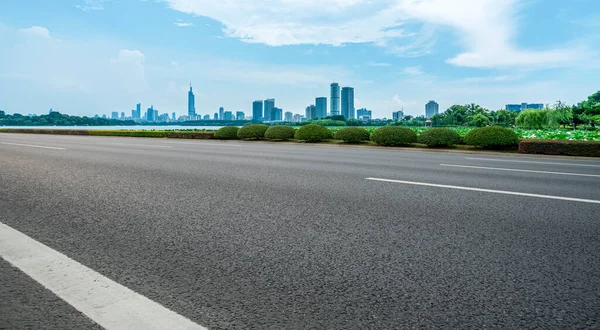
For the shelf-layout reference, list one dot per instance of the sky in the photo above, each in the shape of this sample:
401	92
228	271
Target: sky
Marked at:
86	57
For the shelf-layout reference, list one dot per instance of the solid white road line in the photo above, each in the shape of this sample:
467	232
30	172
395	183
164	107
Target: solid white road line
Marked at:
106	302
488	190
519	170
32	146
134	145
530	162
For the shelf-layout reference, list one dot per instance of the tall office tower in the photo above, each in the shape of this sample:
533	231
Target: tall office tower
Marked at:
311	112
257	110
227	115
398	115
288	116
122	115
240	115
216	117
138	110
348	102
114	115
269	105
191	103
206	117
174	117
221	113
297	117
431	109
335	99
321	104
150	114
276	114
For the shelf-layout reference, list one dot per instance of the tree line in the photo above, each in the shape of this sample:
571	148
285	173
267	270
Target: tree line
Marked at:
58	119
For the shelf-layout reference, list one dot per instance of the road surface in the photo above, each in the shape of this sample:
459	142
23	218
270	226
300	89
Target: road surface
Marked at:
257	235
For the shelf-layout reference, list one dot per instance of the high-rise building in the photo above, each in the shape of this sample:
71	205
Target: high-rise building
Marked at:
216	116
191	103
174	117
335	99
122	115
524	106
240	115
221	113
398	115
150	114
321	104
289	116
227	115
431	109
276	114
311	112
114	115
269	105
297	117
257	110
206	117
364	114
137	113
348	102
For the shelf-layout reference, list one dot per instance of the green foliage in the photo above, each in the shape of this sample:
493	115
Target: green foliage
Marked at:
313	133
326	122
479	120
227	133
155	134
439	137
280	132
189	135
552	147
394	136
252	132
58	119
533	119
352	134
354	122
506	118
492	137
596	119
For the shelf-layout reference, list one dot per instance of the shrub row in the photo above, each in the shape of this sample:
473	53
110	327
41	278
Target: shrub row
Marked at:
154	134
554	147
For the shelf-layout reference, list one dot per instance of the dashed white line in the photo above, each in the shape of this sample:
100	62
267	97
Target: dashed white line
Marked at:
135	145
106	302
530	162
571	199
32	146
209	144
520	170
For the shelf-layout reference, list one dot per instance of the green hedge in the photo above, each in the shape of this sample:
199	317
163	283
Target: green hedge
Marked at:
45	131
313	133
190	135
393	136
439	137
493	137
352	134
280	132
154	134
252	132
227	133
555	147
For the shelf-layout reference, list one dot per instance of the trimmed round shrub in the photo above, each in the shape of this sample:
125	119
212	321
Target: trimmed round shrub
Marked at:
252	132
492	137
393	136
227	133
352	134
280	132
439	137
313	133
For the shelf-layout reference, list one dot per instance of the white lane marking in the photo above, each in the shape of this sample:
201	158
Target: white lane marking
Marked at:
530	162
488	190
106	302
519	170
135	145
32	146
211	144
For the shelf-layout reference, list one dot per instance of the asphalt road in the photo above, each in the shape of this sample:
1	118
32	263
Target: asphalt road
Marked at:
247	235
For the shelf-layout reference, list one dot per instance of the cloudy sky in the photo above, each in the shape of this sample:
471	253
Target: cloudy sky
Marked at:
96	56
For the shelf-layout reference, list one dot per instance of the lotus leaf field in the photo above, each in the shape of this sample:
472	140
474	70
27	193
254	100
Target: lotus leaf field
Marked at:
543	134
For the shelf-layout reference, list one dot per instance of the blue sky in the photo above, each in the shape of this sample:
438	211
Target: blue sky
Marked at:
96	56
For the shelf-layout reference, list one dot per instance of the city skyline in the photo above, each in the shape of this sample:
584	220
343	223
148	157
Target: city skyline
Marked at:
401	54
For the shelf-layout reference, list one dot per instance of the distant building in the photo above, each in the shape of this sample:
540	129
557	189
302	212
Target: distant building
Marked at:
227	115
174	116
269	105
151	114
297	117
321	104
276	114
206	117
257	110
122	115
240	115
524	106
311	112
288	116
137	113
221	113
335	99
103	116
114	115
363	112
191	103
431	109
216	116
398	115
348	102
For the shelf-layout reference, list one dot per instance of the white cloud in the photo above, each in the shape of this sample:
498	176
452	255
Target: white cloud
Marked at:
37	31
181	23
412	70
383	64
91	5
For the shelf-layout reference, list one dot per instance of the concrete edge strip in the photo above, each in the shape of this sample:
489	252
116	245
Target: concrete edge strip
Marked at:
111	305
571	199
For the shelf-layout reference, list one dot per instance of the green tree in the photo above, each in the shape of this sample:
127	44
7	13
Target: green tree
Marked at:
479	120
534	119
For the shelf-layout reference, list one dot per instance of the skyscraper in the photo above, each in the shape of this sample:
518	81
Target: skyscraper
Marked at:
335	99
348	102
151	114
221	113
311	112
227	115
114	115
431	109
289	116
257	110
398	115
240	115
137	113
276	114
191	103
269	105
174	116
321	104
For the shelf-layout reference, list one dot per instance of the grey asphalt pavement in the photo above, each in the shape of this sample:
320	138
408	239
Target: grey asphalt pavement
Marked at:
256	235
